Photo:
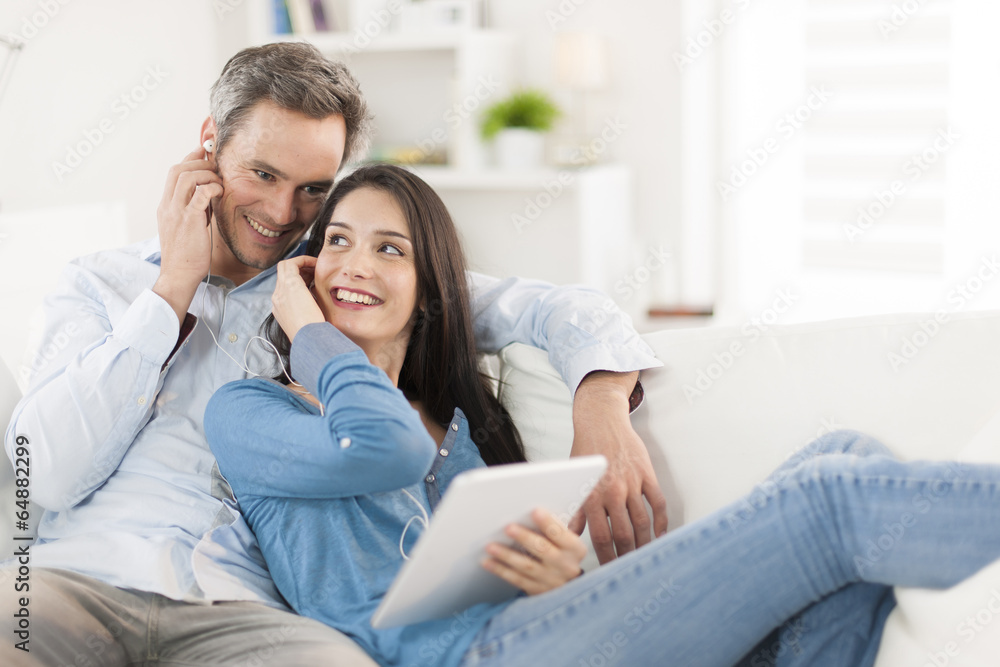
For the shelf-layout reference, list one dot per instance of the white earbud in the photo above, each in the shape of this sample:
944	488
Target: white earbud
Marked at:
209	145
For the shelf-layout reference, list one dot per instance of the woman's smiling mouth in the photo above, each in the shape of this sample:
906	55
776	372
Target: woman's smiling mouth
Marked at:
347	296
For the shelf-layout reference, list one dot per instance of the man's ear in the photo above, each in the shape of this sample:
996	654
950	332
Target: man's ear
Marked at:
209	133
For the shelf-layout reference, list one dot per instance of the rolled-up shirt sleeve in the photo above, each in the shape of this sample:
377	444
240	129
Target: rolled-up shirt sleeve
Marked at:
581	328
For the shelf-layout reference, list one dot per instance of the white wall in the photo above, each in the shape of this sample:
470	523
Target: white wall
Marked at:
71	76
645	92
65	94
75	68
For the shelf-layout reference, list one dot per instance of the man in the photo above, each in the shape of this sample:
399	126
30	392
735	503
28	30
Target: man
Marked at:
142	553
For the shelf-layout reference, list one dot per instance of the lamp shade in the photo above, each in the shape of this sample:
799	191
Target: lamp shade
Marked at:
581	60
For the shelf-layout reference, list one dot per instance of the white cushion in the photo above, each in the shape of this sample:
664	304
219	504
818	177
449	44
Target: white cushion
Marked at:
731	403
959	627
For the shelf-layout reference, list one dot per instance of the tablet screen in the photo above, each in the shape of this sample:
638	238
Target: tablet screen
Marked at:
444	574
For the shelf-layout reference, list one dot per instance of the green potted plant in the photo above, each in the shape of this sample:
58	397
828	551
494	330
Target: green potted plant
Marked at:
517	125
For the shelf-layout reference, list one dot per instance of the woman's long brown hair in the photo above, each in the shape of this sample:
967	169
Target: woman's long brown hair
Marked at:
441	368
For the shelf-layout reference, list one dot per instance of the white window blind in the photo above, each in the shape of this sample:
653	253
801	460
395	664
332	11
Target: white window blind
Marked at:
875	161
885	195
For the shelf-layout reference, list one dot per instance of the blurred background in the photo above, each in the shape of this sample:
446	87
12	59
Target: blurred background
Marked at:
713	162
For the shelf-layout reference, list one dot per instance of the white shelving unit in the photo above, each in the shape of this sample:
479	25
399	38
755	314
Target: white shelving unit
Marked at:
427	89
563	226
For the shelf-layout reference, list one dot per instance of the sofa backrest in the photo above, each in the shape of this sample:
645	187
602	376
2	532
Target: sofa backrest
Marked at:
730	404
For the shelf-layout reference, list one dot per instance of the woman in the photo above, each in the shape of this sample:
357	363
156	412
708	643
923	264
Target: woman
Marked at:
333	470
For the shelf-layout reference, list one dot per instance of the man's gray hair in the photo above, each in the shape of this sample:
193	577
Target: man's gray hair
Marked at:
295	76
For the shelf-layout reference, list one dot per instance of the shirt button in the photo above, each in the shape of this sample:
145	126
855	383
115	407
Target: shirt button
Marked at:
454	427
233	338
345	443
443	452
429	478
142	400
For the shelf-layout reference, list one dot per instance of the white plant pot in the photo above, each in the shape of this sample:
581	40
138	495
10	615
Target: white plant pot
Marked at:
519	148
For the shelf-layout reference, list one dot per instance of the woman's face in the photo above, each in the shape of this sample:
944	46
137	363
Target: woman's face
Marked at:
366	277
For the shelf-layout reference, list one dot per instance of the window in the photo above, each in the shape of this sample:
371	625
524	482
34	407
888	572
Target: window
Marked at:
858	150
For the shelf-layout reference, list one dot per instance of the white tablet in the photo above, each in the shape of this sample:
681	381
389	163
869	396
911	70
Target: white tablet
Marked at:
444	574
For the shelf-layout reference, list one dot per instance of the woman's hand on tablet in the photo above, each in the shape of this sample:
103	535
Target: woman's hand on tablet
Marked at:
548	557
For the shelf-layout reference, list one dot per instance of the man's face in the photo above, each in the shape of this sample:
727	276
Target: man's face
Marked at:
276	171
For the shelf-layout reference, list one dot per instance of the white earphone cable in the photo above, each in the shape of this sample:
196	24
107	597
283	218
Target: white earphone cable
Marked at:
425	520
244	366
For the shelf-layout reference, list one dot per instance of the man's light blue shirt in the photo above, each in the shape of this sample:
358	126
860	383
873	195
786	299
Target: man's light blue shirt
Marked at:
117	394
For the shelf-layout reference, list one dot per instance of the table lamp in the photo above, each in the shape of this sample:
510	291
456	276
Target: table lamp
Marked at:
582	66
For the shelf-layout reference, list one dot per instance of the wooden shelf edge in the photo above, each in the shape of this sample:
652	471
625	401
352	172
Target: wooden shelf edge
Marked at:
680	311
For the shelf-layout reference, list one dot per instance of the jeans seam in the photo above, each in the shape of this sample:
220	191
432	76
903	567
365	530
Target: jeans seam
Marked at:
152	630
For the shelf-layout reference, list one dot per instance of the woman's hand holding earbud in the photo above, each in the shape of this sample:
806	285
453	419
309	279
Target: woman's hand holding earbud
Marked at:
293	303
183	219
548	557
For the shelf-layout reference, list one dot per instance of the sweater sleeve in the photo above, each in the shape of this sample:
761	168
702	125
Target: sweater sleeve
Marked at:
369	439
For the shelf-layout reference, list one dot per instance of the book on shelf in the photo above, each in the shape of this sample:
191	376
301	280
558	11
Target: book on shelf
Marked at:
319	15
308	16
337	15
282	21
300	12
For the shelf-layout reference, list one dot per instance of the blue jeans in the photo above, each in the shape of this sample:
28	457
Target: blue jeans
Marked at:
812	552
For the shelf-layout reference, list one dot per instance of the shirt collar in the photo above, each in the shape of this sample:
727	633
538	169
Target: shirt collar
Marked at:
149	251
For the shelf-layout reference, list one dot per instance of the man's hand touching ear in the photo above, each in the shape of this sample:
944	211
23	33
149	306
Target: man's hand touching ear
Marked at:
601	425
183	219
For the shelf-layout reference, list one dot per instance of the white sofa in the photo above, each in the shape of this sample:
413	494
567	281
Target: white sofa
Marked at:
727	408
